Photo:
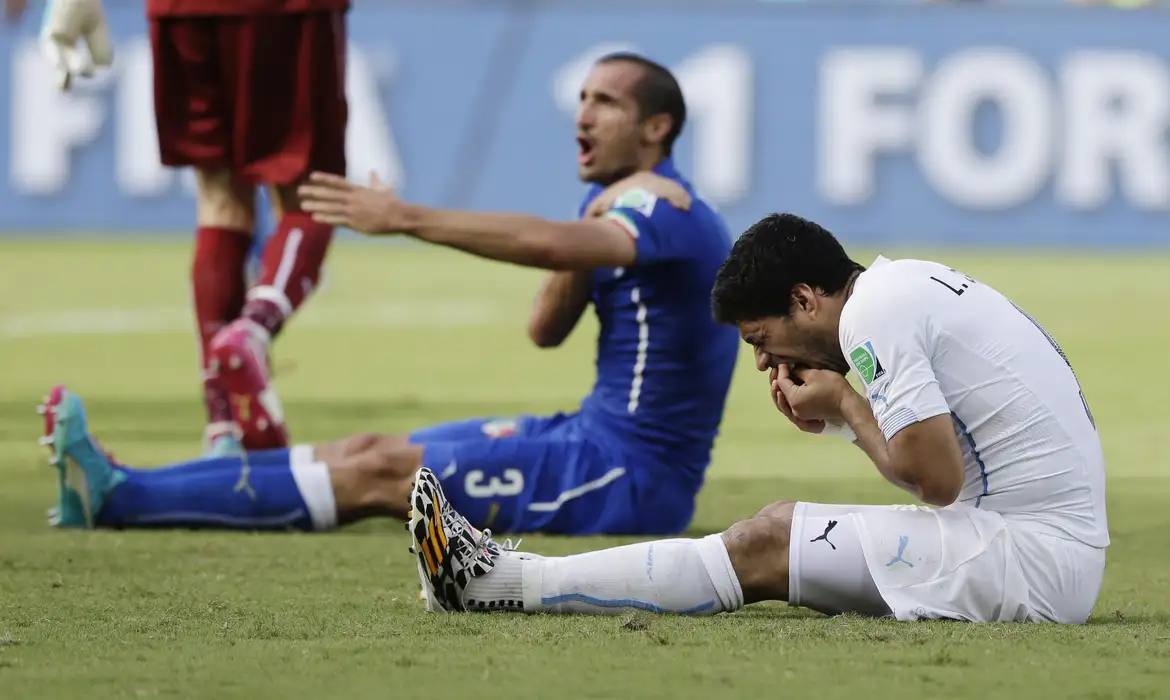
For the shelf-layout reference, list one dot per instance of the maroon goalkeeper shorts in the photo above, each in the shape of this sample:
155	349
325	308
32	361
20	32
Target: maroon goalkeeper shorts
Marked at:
261	95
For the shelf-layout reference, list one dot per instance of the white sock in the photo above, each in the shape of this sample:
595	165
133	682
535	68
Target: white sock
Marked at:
312	480
690	577
502	588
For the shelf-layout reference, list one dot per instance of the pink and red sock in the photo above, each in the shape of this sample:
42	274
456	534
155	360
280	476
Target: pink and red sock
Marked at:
289	271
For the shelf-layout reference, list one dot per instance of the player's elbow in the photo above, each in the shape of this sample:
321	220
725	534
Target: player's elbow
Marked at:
544	247
940	494
573	247
556	256
927	460
940	487
544	337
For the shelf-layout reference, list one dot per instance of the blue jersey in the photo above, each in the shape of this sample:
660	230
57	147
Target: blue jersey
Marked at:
631	460
664	365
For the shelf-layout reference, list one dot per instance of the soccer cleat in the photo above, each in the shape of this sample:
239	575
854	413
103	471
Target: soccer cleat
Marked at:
450	551
224	446
85	473
240	357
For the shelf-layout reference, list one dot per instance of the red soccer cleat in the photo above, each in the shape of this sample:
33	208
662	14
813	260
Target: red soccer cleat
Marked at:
240	356
48	409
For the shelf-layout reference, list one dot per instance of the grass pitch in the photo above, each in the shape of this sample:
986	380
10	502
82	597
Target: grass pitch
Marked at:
401	337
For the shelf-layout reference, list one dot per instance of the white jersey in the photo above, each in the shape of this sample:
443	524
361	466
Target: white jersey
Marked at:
927	341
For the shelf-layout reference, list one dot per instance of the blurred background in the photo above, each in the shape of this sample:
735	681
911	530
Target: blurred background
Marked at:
1021	122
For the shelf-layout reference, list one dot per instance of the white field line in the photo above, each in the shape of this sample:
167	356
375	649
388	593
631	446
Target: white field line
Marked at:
141	321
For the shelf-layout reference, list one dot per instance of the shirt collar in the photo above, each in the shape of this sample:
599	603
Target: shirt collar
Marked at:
665	168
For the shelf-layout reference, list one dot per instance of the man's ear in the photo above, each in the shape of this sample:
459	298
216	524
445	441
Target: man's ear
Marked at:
656	127
803	298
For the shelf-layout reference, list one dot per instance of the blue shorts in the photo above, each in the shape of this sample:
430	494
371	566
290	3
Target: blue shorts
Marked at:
530	473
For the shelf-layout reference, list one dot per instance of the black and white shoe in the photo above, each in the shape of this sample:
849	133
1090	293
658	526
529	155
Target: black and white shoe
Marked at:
451	552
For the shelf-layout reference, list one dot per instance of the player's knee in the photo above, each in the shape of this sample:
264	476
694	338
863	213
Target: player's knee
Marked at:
224	201
758	549
779	509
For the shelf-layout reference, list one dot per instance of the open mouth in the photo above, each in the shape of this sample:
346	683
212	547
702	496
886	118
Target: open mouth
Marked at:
584	151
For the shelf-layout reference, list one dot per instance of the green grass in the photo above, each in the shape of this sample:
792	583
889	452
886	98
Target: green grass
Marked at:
402	337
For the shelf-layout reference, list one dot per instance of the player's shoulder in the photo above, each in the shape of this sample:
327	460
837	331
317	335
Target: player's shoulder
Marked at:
889	292
644	203
888	281
640	200
632	199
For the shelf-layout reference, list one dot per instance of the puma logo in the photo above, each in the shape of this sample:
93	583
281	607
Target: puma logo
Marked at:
825	535
903	540
243	485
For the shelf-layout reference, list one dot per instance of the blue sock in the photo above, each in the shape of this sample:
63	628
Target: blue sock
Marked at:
260	458
223	493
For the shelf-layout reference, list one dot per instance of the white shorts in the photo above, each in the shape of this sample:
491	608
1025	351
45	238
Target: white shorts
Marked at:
958	562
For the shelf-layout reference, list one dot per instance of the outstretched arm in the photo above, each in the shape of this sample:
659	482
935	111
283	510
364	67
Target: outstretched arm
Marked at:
522	239
515	238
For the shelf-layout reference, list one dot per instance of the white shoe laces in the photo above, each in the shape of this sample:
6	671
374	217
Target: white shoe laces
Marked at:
485	538
507	545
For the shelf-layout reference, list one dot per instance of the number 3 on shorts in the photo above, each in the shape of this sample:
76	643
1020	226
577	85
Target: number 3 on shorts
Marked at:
512	484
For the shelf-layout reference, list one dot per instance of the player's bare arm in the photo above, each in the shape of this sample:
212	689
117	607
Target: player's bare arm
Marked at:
516	238
525	240
661	187
559	304
923	458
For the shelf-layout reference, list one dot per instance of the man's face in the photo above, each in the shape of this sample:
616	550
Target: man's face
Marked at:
801	339
608	130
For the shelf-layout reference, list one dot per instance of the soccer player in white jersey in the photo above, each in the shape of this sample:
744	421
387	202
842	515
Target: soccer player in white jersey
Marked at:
968	404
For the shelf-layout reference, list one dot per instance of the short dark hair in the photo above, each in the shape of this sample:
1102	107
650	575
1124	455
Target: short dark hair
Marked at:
658	92
773	256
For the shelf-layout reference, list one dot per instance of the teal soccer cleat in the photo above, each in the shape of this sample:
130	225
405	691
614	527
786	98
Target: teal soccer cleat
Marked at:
225	445
85	474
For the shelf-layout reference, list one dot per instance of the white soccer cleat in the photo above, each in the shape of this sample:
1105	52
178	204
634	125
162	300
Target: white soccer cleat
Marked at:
450	551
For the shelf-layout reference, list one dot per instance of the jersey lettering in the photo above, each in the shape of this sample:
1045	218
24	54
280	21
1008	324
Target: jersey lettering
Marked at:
512	484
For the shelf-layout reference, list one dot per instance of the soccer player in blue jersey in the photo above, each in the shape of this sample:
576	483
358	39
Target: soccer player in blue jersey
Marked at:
631	459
